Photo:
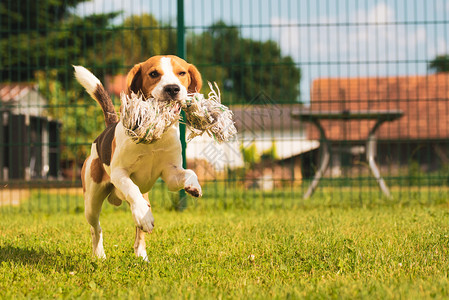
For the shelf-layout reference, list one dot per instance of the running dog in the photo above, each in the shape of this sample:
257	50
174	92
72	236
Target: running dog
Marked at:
118	168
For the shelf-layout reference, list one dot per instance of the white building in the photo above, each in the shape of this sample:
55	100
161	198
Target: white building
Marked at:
265	128
29	141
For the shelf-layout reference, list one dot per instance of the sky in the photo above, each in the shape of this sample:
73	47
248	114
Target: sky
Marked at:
327	38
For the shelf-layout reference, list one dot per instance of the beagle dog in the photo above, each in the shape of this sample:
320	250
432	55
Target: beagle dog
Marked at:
121	170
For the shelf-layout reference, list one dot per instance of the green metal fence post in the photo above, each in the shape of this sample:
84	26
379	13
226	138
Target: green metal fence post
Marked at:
181	49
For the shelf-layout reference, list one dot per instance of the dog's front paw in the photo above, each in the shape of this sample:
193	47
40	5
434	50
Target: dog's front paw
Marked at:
191	184
142	216
194	191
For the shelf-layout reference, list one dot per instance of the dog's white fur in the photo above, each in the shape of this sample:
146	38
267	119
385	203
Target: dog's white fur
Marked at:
134	168
87	80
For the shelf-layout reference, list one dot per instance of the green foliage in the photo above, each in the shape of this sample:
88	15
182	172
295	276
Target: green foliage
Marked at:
81	121
415	175
440	63
142	37
271	153
244	67
250	154
34	15
45	35
319	250
115	49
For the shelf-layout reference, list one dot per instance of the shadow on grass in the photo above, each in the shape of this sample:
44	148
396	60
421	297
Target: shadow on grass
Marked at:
46	261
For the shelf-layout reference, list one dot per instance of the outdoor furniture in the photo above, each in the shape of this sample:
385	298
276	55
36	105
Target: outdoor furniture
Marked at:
380	116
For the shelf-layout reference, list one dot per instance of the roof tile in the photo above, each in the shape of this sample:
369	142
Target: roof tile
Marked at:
423	99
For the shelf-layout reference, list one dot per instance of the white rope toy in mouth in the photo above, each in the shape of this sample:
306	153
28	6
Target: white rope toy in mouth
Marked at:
209	115
146	120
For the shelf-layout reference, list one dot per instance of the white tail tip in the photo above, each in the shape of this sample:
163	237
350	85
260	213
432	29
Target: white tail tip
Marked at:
86	79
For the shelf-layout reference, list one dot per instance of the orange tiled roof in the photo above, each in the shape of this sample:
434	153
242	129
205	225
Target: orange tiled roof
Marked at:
423	99
14	91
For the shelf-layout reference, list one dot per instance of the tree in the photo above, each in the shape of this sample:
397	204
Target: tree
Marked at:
39	41
244	67
440	63
43	35
142	37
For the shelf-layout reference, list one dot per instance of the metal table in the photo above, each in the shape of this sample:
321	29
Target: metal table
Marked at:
380	116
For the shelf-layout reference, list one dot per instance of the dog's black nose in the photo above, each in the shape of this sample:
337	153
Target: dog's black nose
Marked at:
172	89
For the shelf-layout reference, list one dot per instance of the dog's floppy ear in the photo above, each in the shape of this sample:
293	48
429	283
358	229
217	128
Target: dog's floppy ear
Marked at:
195	80
134	80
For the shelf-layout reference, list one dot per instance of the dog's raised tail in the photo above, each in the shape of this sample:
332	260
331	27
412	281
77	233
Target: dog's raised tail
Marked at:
96	90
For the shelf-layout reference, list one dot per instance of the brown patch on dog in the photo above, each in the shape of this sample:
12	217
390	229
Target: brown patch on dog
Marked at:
113	145
83	173
139	78
134	80
110	115
97	171
104	144
114	199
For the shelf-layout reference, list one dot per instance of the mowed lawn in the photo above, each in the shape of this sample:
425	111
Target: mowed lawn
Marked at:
384	250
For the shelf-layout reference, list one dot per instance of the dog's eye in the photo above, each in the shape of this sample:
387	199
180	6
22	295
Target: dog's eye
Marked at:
182	73
154	74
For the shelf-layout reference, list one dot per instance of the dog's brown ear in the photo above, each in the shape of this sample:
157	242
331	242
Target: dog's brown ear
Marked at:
195	80
134	80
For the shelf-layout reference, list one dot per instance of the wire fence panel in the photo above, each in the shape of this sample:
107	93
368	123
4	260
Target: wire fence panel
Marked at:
332	99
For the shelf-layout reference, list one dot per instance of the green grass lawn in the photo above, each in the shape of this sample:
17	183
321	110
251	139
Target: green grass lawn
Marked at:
319	249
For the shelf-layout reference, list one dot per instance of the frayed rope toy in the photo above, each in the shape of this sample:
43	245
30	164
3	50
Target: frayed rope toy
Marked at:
209	115
146	120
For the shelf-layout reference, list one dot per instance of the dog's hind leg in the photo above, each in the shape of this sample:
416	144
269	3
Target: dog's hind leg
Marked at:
139	244
94	195
92	204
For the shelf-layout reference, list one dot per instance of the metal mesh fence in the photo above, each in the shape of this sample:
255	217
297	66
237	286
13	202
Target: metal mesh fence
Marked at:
332	99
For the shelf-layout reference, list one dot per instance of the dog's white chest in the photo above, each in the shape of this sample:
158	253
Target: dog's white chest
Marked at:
146	162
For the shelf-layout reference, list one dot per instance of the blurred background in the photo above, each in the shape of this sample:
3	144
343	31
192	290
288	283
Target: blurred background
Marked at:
320	90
